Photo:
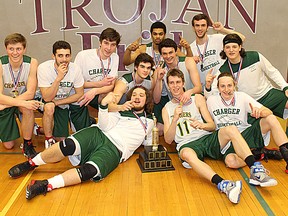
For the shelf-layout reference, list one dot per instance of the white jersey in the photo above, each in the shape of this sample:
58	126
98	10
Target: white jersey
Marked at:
112	125
91	66
184	132
211	57
47	74
156	56
253	76
11	77
233	112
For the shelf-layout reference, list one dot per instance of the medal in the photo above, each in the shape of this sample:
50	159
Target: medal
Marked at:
15	93
201	55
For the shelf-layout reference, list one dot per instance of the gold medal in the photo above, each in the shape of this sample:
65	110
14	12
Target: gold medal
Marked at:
15	93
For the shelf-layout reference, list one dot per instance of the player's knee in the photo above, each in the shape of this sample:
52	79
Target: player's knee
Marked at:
231	161
86	171
67	146
49	108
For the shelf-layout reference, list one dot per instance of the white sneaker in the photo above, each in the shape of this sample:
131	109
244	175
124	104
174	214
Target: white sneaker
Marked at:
231	189
49	143
260	176
185	164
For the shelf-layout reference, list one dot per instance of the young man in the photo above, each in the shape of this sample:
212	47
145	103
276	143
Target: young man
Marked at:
168	50
158	33
18	84
191	126
98	149
206	48
140	77
251	71
233	108
99	68
56	79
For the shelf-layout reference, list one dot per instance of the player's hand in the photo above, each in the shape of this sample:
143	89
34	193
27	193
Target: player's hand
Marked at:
196	124
128	105
197	59
185	97
183	42
108	80
217	26
32	104
177	112
209	79
2	107
255	111
160	72
109	98
135	45
62	70
87	97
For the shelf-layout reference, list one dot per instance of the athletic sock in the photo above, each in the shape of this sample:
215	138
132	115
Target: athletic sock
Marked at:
47	138
37	160
284	151
250	160
56	182
216	179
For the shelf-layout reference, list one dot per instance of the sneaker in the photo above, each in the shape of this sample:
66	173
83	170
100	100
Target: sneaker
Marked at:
36	130
272	153
37	187
22	168
185	164
260	176
28	150
231	189
49	143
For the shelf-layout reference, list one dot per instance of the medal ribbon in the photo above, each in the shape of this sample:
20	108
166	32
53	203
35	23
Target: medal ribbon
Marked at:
201	55
156	57
236	77
142	123
102	64
15	81
232	102
187	103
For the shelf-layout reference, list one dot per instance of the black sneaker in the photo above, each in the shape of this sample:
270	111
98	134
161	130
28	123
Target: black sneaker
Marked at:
20	169
35	188
28	150
272	153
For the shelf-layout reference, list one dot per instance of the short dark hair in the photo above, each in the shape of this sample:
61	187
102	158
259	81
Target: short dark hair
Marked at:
144	57
15	38
232	38
200	17
60	45
175	72
167	42
110	34
158	25
149	99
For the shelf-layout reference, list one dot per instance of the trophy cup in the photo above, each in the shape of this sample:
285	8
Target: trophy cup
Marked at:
154	157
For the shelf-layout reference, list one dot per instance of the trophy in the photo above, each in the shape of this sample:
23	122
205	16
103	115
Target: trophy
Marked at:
154	157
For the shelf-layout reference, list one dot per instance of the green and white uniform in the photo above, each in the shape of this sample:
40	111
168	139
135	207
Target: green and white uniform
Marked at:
254	82
119	131
211	57
236	112
8	115
156	56
46	75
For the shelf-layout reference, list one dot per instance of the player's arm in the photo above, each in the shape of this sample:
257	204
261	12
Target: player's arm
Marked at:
218	26
132	51
209	124
119	90
170	129
72	98
31	82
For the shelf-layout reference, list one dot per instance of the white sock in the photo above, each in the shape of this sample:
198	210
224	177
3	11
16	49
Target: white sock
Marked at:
56	181
37	160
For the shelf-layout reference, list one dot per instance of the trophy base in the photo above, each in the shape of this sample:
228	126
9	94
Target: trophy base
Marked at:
154	161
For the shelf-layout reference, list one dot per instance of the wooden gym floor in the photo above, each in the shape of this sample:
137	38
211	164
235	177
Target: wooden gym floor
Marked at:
127	191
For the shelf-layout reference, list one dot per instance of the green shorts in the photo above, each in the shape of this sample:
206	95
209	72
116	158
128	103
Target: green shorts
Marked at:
8	127
205	146
158	108
252	135
275	100
97	148
94	103
79	116
61	122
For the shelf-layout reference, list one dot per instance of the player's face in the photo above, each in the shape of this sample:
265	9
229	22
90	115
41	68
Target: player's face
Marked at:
15	52
62	57
175	85
232	51
226	87
143	70
157	35
107	48
139	99
200	28
169	55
